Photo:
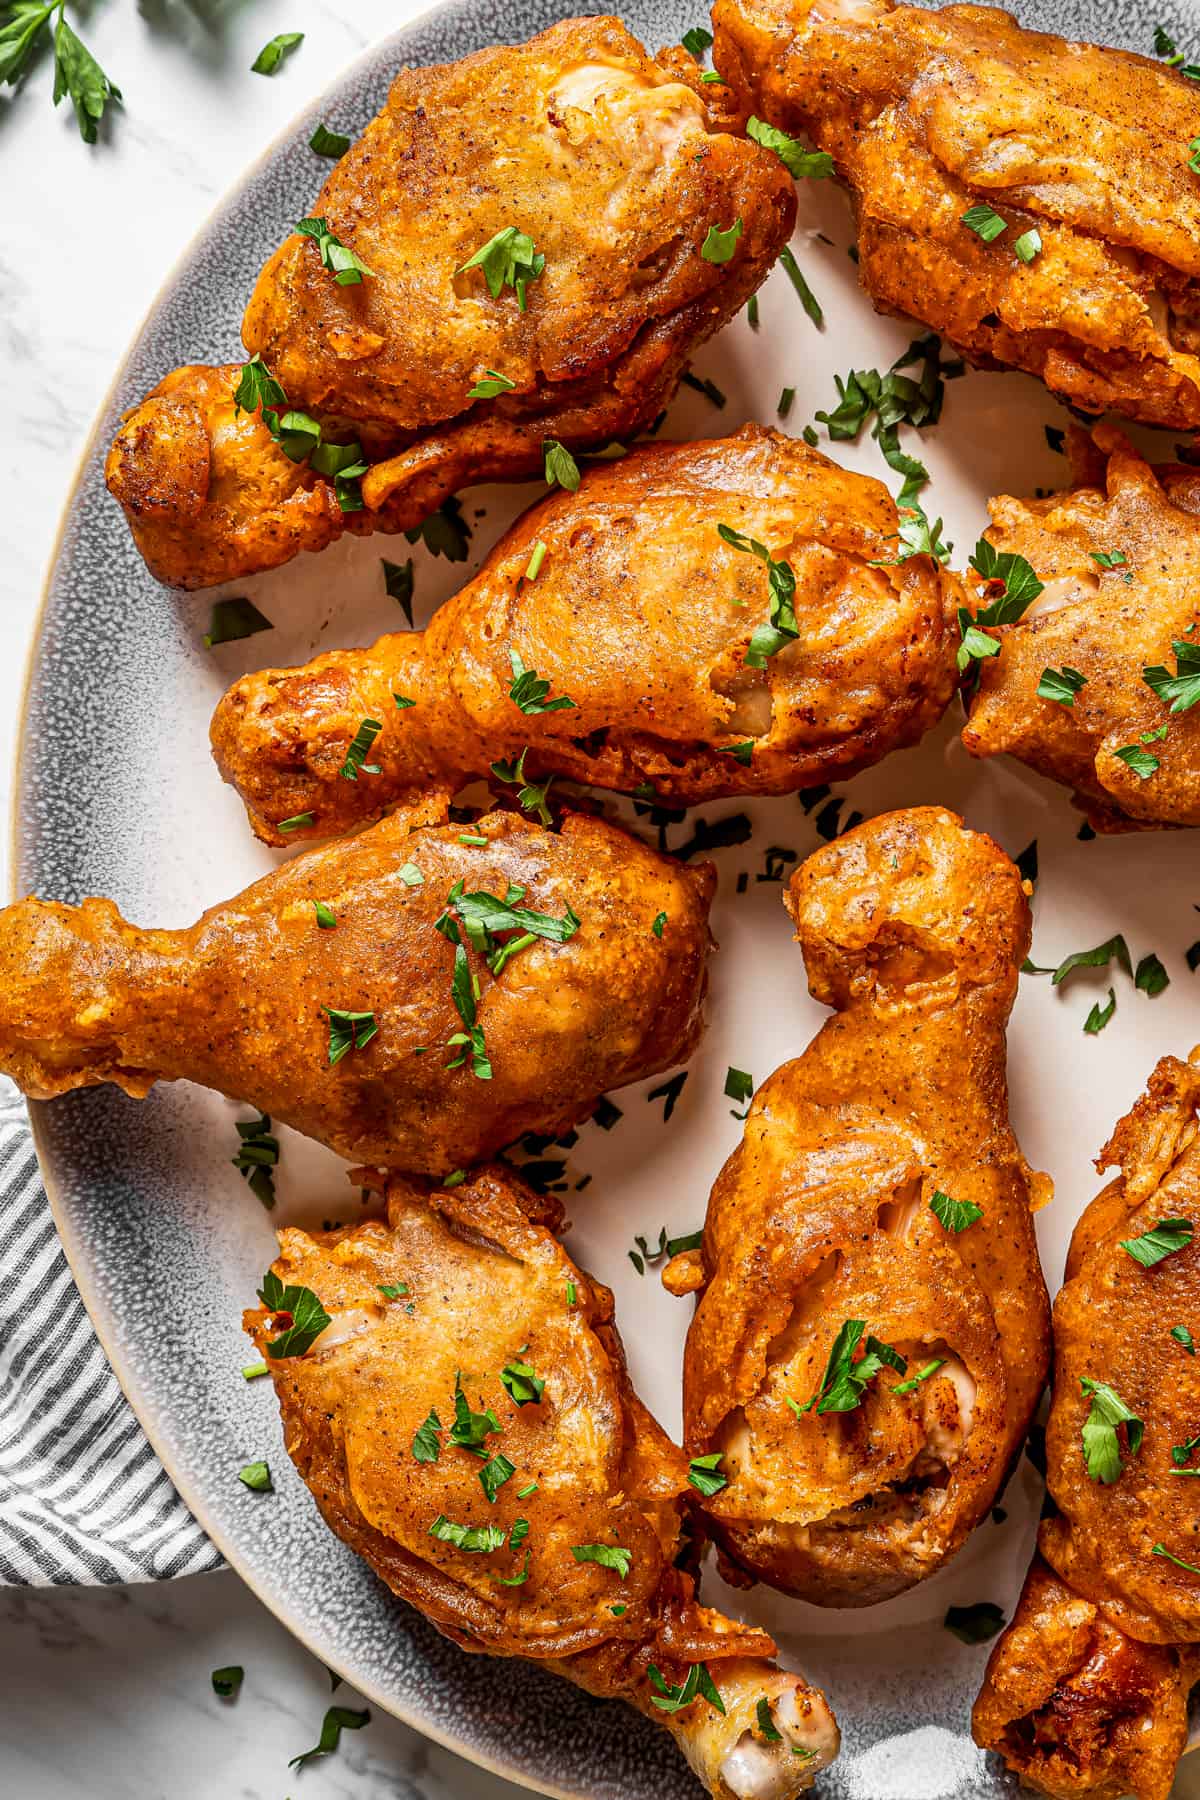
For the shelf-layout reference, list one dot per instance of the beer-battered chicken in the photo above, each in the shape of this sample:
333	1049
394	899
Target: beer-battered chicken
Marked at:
465	1422
417	996
612	175
641	615
1079	155
1086	1692
1118	555
873	1329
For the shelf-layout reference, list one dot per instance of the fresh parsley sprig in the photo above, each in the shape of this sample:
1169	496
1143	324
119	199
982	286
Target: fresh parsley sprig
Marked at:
508	259
768	640
77	74
346	268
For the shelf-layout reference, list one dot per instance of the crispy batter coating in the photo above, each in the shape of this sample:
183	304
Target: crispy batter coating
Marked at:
238	1001
913	928
616	168
488	1285
1108	625
931	112
1086	1692
641	614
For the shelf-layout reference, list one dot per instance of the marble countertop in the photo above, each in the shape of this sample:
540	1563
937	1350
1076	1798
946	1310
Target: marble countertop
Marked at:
107	1691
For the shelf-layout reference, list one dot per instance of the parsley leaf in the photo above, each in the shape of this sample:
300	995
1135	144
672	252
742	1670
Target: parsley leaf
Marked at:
257	1477
811	165
297	822
336	1720
444	533
718	245
1162	1240
1020	586
985	223
258	1155
845	1381
808	299
301	1306
508	259
1150	977
478	1539
697	40
1181	690
19	35
537	557
234	619
1061	685
767	640
1028	245
669	1093
738	1086
671	1699
398	581
356	754
348	1030
1143	764
274	51
529	691
974	1624
1183	1336
766	1725
704	1474
470	1430
78	74
1113	949
521	1384
328	143
1099	1016
1101	1445
560	465
922	1374
1161	1549
531	795
494	1473
426	1444
955	1215
660	920
346	268
490	383
609	1556
464	992
226	1682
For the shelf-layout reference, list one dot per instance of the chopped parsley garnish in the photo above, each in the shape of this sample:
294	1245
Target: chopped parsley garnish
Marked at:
1163	1239
494	1473
1061	685
455	1178
326	917
427	1444
606	1114
609	1556
917	537
537	557
529	691
226	1682
508	259
1100	1016
256	386
560	465
300	1306
235	619
895	399
922	1374
252	1371
845	1381
643	1254
523	1493
1027	863
571	1293
348	1031
697	40
1101	1444
274	51
464	989
698	1681
479	1539
298	435
336	1720
1164	46
1181	1452
531	795
1161	1549
808	299
1028	245
521	1384
985	223
398	581
258	1155
1019	587
752	312
521	1575
1110	560
1183	1336
444	533
1181	690
767	640
257	1477
328	143
810	165
1143	764
490	383
742	753
346	268
974	1624
410	875
1114	948
739	1085
718	245
786	398
669	1093
700	385
767	1729
704	1474
660	920
470	1429
393	1290
955	1215
482	915
1150	977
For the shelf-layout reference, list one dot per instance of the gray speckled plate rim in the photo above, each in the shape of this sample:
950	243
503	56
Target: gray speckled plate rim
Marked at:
226	1544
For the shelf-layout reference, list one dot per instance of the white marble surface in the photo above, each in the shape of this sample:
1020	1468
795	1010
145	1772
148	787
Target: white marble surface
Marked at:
107	1692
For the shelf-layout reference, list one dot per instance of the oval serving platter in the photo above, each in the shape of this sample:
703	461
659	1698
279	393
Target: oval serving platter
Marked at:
117	795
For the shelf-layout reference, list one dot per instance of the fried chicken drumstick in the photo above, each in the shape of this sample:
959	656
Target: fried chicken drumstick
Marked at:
1077	154
642	616
873	1329
421	1424
1118	555
1086	1692
533	223
473	985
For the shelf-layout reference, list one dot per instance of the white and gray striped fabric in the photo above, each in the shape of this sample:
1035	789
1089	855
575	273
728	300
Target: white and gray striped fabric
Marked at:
83	1498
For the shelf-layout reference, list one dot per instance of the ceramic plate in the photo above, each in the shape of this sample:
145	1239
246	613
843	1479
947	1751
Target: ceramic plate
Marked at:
118	796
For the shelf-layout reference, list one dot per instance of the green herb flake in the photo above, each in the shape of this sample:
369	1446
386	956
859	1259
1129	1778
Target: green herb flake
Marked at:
741	753
1180	691
529	691
257	1477
1162	1240
739	1086
479	1540
348	1031
398	581
393	1290
427	1444
974	1624
233	620
1183	1336
1150	977
1114	949
444	533
521	1384
336	1720
410	875
560	466
719	246
537	557
660	921
306	1317
697	40
1161	1549
787	396
698	1682
985	223
1028	245
252	1371
802	164
752	312
922	1374
1100	1015
767	640
608	1556
1101	1444
494	1473
508	259
356	754
273	52
490	383
766	1725
226	1682
808	299
1061	685
328	143
704	1474
257	1155
326	917
955	1215
844	1382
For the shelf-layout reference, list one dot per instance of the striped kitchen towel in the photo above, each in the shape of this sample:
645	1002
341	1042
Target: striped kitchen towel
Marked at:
83	1498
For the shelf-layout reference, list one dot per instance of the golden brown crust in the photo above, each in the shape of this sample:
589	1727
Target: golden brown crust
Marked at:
617	170
928	112
1109	625
642	615
485	1284
914	929
238	1000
